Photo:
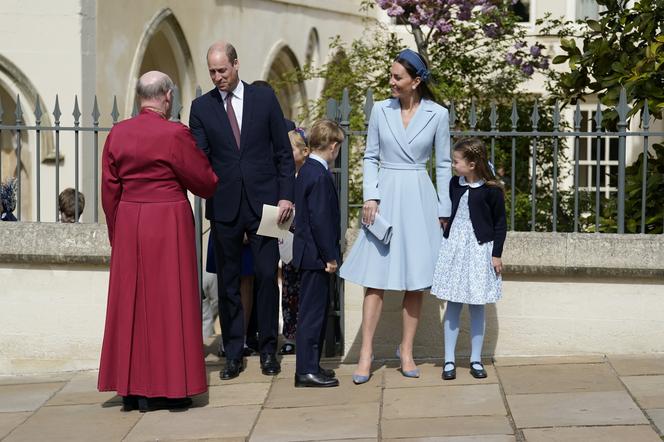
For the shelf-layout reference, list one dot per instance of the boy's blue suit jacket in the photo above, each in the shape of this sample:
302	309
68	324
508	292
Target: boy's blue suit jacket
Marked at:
317	218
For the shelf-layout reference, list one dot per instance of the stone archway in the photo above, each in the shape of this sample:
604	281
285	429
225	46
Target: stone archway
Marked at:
164	47
15	84
291	96
312	56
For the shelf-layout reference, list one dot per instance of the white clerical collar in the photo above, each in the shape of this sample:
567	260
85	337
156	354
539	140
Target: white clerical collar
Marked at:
463	182
238	92
313	156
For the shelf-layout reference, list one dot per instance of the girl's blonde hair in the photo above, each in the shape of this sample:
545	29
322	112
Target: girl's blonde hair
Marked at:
297	140
473	150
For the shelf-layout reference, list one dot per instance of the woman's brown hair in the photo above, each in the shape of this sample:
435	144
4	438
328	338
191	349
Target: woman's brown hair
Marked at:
474	151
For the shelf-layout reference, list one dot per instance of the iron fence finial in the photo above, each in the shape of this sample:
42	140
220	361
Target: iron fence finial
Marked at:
646	115
19	110
95	112
77	112
38	112
473	114
368	106
515	114
56	110
493	117
115	114
534	117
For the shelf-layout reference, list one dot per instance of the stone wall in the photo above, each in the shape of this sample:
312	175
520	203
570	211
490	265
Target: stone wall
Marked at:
563	294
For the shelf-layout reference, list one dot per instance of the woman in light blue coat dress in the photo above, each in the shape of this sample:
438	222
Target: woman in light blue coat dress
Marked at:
403	131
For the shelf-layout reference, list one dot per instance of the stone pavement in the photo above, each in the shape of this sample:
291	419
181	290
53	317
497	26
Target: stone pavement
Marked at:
589	398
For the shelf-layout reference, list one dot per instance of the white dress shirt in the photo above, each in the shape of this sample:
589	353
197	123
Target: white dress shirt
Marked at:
237	100
313	156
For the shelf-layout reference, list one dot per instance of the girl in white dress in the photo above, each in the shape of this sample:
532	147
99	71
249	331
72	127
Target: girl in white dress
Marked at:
469	263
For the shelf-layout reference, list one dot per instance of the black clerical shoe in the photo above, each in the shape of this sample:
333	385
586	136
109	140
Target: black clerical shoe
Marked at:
232	369
129	403
162	403
316	380
270	365
326	372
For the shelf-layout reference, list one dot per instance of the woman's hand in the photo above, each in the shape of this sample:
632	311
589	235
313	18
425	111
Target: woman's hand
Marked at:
369	211
443	222
497	264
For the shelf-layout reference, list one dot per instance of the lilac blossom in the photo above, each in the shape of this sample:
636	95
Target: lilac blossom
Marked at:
528	69
449	19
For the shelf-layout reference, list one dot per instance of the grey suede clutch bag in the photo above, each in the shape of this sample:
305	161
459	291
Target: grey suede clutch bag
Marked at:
381	229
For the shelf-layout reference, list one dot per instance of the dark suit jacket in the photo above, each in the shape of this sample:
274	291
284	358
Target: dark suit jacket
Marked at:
487	213
264	163
317	218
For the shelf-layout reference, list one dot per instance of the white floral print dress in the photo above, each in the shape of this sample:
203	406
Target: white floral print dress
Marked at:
464	272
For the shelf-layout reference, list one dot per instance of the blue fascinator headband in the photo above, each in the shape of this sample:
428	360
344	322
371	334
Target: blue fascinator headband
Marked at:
416	62
300	131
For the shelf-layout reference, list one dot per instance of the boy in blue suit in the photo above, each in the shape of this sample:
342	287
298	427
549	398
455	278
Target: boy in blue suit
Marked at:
316	250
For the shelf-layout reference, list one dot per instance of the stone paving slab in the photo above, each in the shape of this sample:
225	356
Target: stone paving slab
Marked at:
572	409
550	399
558	378
647	390
195	423
506	361
233	394
26	397
82	389
288	367
9	421
657	416
317	423
430	375
461	400
40	379
632	365
637	433
284	395
446	426
75	423
483	438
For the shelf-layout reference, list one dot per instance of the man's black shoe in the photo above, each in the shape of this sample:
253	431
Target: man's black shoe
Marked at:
270	365
316	380
232	369
326	372
162	403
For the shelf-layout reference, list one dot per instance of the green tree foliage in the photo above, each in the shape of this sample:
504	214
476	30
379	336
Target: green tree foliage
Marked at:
624	48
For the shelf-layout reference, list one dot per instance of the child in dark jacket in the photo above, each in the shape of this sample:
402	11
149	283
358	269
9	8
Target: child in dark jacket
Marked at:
469	264
316	250
290	282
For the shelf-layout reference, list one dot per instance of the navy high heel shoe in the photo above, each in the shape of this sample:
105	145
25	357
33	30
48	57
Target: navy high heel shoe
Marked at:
415	373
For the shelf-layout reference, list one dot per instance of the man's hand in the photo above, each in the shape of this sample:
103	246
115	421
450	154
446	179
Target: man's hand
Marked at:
497	264
331	266
369	211
443	222
285	210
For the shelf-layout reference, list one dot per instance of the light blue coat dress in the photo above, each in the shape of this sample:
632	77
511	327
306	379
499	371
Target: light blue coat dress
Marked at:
395	173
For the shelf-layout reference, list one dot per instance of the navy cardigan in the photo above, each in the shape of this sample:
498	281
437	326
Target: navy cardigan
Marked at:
487	213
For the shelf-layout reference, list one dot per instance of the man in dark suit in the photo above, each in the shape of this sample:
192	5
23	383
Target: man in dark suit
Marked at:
316	251
241	129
